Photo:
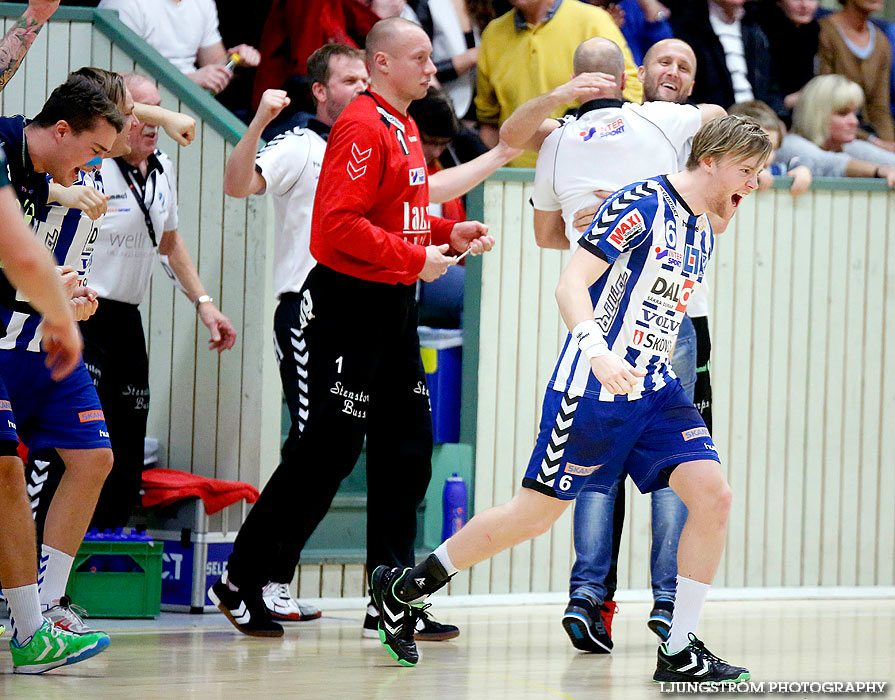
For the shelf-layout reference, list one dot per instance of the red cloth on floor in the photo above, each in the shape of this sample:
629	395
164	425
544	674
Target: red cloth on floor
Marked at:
162	487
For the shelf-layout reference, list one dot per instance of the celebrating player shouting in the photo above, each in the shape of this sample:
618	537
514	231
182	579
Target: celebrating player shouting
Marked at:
611	404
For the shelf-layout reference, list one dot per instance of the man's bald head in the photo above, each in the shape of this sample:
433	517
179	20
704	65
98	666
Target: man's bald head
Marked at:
599	55
386	34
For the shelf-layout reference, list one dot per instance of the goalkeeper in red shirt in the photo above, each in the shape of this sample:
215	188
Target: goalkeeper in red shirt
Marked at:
357	360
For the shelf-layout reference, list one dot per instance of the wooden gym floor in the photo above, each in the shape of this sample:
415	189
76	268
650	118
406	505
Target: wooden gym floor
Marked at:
510	653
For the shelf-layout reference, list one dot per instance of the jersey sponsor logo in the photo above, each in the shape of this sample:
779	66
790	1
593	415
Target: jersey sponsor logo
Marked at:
615	128
630	226
87	416
694	260
11	425
671	257
103	434
578	470
416	223
694	433
660	320
653	341
417	176
5	405
670	294
613	302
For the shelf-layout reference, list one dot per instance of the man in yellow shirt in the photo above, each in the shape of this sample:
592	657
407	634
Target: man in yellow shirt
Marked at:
528	51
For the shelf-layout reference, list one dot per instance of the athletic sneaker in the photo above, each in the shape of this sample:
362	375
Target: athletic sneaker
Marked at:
660	618
52	646
608	610
67	616
426	628
584	625
371	623
696	663
282	606
247	612
397	620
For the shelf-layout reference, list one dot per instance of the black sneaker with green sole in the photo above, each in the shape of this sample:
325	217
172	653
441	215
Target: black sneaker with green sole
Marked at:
696	664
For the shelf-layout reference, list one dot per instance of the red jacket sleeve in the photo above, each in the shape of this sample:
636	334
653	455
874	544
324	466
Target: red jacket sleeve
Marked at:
441	230
347	190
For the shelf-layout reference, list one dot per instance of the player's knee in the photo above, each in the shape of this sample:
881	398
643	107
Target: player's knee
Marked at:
720	498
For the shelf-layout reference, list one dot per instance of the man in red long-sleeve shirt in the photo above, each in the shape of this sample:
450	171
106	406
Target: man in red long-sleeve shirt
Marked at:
356	347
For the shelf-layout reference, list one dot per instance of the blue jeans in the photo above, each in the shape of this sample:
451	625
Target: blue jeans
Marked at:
596	543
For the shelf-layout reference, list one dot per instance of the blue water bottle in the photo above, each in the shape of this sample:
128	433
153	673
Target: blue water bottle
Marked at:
453	505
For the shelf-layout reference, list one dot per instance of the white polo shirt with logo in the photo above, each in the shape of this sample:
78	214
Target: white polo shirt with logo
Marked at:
124	253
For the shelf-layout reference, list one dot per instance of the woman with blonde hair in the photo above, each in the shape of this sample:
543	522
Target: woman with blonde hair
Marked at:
825	129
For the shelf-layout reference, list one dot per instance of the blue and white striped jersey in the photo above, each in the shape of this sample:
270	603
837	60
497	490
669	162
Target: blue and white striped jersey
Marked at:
657	250
70	235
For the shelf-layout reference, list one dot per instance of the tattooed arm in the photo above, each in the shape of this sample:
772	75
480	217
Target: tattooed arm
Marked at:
18	40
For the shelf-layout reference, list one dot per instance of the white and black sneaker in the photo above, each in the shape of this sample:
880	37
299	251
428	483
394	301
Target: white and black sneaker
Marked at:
397	620
583	623
371	623
282	606
695	663
245	610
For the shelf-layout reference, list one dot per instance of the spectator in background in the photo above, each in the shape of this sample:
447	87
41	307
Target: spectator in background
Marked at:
186	33
733	54
852	46
792	30
772	126
528	52
289	39
241	22
454	48
643	23
829	119
822	119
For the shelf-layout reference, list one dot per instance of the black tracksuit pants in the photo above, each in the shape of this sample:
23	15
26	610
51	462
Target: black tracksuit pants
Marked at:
350	366
115	355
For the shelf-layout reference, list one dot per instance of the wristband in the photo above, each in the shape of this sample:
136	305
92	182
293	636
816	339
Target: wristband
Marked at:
590	340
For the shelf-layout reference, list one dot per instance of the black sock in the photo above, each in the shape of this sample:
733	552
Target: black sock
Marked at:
422	580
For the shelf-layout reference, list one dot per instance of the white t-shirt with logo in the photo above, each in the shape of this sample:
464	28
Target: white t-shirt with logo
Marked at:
124	254
290	165
607	147
177	30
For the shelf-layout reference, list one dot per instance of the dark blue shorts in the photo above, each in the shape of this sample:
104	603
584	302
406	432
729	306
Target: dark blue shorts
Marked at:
8	435
583	441
64	414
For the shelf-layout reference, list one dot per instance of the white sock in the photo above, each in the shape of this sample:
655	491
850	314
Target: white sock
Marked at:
442	554
687	608
52	577
24	611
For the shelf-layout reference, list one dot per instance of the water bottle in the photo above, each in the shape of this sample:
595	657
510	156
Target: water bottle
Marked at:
453	505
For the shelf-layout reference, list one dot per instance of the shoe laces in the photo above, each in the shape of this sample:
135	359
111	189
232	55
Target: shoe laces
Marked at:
421	611
282	590
700	647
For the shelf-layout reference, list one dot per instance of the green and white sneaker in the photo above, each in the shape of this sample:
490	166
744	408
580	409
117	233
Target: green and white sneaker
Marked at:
52	646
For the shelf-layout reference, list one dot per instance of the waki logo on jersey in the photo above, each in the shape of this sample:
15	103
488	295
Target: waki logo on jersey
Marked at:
417	176
626	230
